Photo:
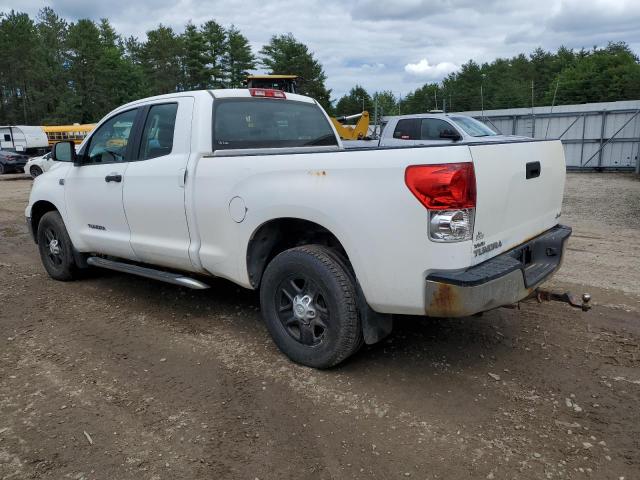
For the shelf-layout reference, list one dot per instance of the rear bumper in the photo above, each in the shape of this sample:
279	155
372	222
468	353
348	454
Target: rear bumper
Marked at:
502	280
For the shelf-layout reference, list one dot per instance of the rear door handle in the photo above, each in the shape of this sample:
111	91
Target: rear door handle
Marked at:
113	177
533	170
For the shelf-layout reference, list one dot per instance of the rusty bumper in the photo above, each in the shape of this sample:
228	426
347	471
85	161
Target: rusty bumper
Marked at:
502	280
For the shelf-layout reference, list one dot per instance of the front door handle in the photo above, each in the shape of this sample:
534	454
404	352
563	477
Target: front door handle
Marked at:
113	177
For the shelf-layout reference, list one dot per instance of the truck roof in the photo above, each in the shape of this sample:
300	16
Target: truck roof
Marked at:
244	93
421	115
215	93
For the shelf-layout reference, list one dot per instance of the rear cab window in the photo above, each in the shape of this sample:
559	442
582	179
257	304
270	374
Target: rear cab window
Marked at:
249	123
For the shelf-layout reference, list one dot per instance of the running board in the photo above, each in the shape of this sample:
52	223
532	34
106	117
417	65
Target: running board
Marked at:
167	277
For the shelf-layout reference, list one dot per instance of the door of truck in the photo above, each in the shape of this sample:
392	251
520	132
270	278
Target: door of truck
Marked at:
93	190
154	193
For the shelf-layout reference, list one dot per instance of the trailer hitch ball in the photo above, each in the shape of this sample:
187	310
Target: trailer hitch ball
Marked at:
583	303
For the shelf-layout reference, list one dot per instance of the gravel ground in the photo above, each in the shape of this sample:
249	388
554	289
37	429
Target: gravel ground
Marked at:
118	377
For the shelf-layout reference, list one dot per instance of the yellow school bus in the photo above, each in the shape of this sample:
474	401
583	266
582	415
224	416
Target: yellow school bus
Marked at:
75	132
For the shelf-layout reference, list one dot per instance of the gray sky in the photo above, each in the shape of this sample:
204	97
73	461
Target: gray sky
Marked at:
395	45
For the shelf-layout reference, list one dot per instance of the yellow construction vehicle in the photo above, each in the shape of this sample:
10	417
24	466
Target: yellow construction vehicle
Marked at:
359	131
286	83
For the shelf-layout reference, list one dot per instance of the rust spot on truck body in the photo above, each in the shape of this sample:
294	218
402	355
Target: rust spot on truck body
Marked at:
318	173
444	301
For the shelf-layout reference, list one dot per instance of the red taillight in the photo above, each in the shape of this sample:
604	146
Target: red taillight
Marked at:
267	93
445	186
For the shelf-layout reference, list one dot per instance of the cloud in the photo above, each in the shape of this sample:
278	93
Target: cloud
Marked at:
424	70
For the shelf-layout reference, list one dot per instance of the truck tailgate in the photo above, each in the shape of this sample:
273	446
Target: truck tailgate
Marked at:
519	193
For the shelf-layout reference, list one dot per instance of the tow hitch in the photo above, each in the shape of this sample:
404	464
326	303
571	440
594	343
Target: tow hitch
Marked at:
583	303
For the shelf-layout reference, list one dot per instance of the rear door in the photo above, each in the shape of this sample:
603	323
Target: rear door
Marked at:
154	187
519	193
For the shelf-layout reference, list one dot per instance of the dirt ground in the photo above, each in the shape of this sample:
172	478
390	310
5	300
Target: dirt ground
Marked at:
118	377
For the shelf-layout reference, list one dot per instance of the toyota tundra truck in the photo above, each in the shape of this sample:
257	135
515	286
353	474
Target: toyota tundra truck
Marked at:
254	186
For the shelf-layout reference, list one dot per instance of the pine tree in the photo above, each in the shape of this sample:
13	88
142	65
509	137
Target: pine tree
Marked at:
161	60
285	55
215	47
354	102
194	59
239	58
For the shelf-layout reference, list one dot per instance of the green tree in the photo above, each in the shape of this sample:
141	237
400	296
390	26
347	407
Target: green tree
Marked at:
194	60
428	97
160	58
84	48
354	102
215	47
20	68
607	74
387	103
239	58
285	55
52	36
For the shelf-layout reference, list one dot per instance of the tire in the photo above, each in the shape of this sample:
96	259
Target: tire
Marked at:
312	280
3	170
35	171
57	259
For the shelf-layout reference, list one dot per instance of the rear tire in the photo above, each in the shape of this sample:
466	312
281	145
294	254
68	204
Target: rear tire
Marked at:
3	170
309	303
56	249
35	171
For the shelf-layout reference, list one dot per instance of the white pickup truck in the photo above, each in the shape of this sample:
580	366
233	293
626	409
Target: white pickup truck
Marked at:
432	129
254	186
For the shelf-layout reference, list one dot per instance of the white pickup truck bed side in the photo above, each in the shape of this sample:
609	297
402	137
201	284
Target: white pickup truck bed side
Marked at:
205	208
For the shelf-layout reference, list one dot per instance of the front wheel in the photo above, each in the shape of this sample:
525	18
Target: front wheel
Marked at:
309	304
56	249
35	171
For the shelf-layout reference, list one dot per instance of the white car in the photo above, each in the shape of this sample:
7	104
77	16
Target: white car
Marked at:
255	186
38	165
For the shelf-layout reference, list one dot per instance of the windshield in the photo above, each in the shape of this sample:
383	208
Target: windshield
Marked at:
265	123
473	127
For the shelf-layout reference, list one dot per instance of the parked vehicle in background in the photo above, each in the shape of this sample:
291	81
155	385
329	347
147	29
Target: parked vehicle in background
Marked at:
12	162
25	139
432	129
254	186
76	132
38	165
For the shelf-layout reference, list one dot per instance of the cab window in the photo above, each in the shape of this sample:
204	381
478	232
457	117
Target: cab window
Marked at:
266	123
432	128
407	129
109	142
157	136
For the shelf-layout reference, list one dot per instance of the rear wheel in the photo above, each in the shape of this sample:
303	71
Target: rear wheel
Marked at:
56	249
3	170
309	304
35	171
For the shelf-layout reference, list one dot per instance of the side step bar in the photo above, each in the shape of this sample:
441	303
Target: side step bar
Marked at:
167	277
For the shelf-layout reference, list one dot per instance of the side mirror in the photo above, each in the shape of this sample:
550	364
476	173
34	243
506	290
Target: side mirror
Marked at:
451	135
64	152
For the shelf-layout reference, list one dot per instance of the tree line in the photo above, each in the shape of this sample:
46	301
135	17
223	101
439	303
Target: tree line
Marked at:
565	77
57	72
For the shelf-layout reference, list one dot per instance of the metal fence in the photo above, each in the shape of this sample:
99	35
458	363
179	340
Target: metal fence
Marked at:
594	135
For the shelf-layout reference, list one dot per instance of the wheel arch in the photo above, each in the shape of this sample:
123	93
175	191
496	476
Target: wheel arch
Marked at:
279	234
38	210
